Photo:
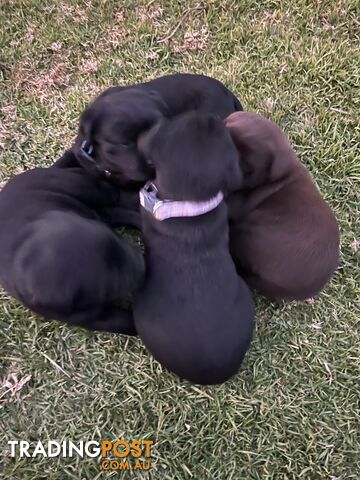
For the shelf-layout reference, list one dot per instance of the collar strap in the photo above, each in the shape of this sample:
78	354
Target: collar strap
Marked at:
86	149
163	209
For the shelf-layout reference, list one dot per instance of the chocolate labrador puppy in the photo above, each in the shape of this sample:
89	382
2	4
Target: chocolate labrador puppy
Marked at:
194	314
284	238
109	127
58	257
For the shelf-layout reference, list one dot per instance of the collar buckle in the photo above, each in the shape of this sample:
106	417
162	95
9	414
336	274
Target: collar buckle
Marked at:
148	197
86	150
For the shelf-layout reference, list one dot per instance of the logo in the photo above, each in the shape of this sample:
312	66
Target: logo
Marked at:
127	455
114	455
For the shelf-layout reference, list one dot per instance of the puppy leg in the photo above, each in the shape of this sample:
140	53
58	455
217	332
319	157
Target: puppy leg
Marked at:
119	216
127	213
109	319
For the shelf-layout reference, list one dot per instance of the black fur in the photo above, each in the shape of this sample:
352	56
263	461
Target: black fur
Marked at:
194	314
58	257
113	122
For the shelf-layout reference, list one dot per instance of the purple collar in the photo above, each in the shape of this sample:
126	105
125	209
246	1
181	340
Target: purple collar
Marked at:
163	209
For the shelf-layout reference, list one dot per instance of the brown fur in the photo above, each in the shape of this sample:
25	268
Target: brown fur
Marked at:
284	237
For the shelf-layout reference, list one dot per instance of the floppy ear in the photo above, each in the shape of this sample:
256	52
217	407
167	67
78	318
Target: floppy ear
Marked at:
233	174
145	140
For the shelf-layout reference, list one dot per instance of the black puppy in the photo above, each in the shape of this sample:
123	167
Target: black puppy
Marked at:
111	124
58	257
185	92
194	314
108	131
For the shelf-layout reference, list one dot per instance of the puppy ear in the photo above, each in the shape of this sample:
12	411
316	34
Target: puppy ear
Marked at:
233	175
146	139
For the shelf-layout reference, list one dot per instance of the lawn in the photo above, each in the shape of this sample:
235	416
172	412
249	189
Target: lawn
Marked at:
292	411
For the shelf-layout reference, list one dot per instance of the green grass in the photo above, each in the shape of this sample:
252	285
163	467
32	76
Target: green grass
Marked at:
292	411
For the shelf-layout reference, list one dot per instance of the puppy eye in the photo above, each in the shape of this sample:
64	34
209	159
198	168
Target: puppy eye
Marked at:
126	144
149	161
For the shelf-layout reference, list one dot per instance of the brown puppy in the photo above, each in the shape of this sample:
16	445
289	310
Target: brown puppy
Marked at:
284	238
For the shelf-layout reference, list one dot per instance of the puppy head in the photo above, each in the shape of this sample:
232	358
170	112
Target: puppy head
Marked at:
193	156
111	125
265	154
